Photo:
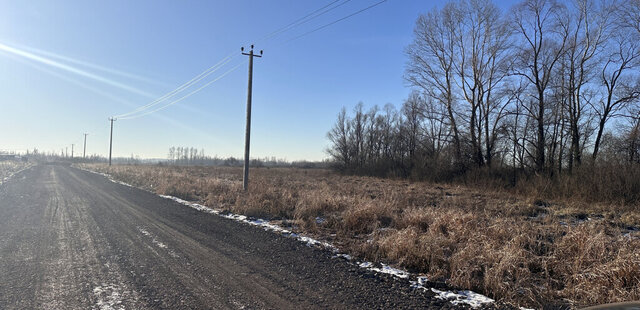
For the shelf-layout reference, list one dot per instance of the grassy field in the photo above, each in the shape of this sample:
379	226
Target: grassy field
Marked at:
516	248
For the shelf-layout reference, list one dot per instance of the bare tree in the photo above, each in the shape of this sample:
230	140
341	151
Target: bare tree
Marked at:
437	131
339	136
412	129
588	23
629	16
482	45
542	29
620	88
431	62
172	153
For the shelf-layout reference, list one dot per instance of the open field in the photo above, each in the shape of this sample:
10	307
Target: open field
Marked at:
518	249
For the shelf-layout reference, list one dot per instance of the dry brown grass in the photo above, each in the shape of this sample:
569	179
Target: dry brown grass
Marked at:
518	249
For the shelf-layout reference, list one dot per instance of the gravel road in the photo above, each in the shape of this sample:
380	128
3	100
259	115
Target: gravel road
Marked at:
71	239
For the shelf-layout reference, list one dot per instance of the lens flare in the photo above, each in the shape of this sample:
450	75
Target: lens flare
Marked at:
87	64
68	68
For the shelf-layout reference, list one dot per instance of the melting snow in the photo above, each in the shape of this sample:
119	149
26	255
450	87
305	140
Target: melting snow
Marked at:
385	269
196	206
463	297
156	241
255	222
392	271
341	255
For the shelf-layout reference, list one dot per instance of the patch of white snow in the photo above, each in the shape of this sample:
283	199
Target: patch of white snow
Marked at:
154	240
341	255
463	297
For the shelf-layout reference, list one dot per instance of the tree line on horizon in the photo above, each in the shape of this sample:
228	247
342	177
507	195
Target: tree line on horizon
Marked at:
544	87
179	155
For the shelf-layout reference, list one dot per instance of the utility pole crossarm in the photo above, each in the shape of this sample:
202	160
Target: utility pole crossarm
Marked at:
245	179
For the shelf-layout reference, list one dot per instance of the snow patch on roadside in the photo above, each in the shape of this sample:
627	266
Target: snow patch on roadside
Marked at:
420	281
266	225
392	271
98	173
463	297
122	183
196	206
385	269
106	176
342	255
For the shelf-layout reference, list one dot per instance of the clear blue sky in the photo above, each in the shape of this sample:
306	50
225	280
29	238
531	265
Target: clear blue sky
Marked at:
151	47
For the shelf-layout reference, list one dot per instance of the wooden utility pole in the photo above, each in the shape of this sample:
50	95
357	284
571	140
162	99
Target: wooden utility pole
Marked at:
111	139
84	149
72	144
247	135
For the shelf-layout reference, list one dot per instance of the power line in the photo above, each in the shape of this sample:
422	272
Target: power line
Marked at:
314	14
305	19
336	21
182	87
185	96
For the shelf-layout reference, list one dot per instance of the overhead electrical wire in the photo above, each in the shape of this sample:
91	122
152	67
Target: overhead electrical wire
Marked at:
228	58
185	96
336	21
145	110
306	18
182	87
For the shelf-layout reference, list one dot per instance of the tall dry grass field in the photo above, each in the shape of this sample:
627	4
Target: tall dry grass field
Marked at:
515	248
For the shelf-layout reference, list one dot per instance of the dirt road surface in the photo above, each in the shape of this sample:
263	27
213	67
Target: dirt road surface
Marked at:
71	239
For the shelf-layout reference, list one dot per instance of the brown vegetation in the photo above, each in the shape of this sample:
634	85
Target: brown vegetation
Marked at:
519	248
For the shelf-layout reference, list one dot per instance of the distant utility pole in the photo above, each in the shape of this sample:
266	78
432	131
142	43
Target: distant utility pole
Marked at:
245	179
66	151
111	139
72	150
84	150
